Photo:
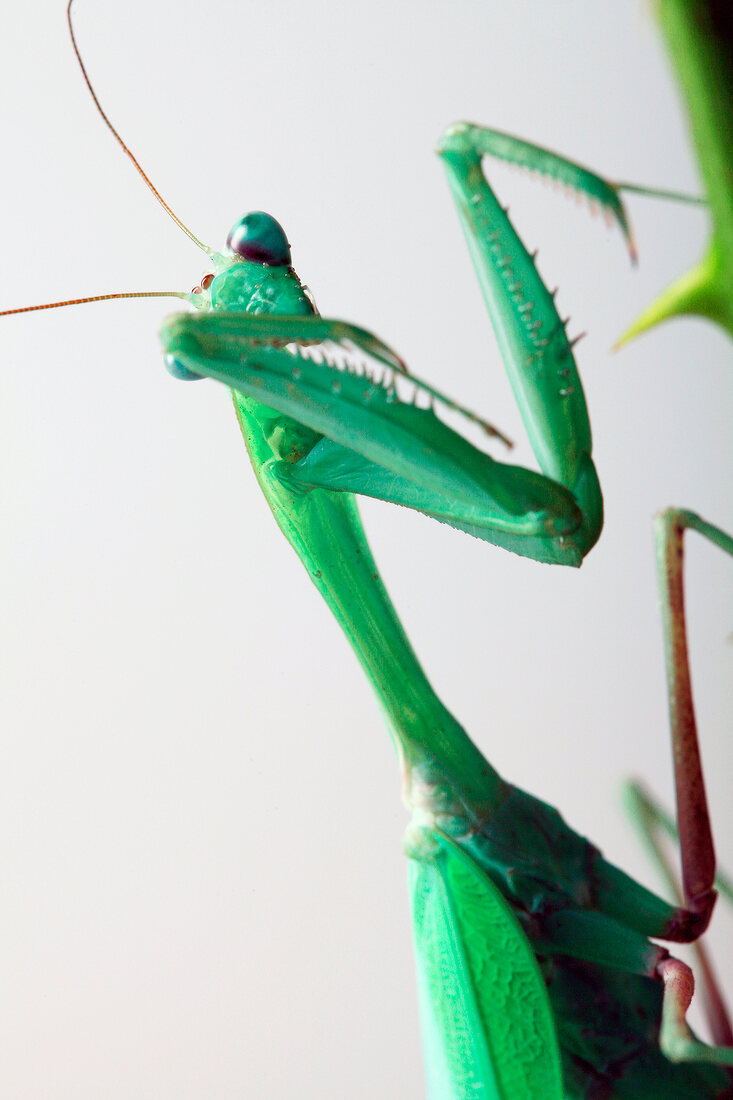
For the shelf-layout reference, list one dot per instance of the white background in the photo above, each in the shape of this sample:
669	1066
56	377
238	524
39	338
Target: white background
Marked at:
203	892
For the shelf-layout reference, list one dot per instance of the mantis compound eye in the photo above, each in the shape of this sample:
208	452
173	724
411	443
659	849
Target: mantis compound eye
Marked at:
258	237
177	370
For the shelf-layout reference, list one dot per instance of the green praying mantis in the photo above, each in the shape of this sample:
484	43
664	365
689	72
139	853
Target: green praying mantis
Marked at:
178	356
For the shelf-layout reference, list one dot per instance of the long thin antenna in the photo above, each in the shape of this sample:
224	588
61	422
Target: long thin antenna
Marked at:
101	298
125	149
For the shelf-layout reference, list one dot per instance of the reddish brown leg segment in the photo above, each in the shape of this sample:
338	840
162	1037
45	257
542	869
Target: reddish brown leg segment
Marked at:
693	821
651	820
675	1038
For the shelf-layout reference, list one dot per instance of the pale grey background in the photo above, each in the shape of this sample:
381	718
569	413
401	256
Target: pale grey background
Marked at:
203	892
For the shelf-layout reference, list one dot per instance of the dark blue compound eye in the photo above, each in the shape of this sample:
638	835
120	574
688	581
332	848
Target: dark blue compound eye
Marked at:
177	370
257	236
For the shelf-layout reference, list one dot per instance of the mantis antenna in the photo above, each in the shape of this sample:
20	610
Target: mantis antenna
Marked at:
128	294
101	298
124	147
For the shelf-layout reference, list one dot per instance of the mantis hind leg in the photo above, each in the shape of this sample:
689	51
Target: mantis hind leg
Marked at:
693	820
675	1038
681	924
651	820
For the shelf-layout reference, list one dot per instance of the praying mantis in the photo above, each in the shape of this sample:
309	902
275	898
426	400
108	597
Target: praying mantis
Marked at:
524	583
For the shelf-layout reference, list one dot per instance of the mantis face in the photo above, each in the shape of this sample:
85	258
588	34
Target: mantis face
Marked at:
253	275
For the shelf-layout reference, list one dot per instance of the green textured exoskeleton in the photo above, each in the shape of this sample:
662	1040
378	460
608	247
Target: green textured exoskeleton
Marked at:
522	929
370	434
537	972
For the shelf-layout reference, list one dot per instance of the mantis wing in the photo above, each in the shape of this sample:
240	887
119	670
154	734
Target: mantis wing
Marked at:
488	1029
